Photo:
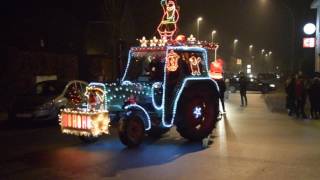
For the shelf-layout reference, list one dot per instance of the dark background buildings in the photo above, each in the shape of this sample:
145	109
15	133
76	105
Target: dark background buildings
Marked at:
89	39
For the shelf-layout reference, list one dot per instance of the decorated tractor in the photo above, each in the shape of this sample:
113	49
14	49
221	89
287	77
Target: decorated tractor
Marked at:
166	83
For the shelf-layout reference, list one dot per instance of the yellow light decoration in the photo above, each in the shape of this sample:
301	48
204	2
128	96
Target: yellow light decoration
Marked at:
143	42
172	61
191	39
95	96
162	42
194	65
154	42
84	123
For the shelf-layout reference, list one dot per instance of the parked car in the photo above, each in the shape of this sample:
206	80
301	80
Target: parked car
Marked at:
254	84
44	100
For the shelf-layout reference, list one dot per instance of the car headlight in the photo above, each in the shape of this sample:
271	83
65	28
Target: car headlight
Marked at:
46	106
272	85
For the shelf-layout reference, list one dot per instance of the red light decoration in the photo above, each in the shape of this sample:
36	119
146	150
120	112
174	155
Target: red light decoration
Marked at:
172	61
216	69
309	42
181	39
168	26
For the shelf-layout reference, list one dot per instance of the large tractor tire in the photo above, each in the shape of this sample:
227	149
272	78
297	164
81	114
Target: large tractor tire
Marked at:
131	131
197	113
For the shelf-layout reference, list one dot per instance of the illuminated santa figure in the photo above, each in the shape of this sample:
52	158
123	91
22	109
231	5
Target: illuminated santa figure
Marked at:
194	65
168	25
216	69
95	98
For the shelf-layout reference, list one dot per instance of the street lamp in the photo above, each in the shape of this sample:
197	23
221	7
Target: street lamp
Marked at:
270	53
262	51
198	26
250	49
235	42
213	33
293	29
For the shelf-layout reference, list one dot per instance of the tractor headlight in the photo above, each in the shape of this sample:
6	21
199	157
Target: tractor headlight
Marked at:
47	105
272	85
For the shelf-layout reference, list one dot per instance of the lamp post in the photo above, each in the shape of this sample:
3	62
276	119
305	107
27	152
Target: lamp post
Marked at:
213	33
198	27
293	29
250	50
235	43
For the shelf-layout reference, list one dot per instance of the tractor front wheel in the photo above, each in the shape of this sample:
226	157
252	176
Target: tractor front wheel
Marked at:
131	131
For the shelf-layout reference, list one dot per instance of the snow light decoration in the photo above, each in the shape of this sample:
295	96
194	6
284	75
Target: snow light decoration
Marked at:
168	25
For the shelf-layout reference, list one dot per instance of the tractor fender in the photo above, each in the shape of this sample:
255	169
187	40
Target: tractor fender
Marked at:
207	82
141	112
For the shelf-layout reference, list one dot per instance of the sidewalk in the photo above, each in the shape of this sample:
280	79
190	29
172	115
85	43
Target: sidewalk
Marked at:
3	116
276	102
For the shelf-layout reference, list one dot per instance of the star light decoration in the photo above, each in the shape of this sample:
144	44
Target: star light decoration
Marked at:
197	112
154	42
191	39
143	42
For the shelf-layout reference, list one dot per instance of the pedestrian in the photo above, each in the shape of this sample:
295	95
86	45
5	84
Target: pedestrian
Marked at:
243	84
290	91
301	95
313	92
222	87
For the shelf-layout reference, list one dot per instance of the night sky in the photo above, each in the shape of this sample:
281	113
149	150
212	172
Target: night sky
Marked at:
266	25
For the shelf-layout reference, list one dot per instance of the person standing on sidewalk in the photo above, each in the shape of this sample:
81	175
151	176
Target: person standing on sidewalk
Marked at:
243	84
313	92
222	88
290	91
301	96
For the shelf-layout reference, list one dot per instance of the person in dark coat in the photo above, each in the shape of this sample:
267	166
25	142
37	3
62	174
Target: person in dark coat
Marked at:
301	96
222	88
290	91
314	97
243	84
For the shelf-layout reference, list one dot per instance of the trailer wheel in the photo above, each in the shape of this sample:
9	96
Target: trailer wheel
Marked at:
88	139
197	113
131	131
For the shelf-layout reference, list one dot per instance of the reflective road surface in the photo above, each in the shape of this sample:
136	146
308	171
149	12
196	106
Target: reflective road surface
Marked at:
249	143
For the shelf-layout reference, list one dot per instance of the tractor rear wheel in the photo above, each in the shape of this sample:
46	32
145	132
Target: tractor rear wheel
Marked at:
197	113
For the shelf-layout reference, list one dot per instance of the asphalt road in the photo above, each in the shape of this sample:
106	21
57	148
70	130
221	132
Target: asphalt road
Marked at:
249	143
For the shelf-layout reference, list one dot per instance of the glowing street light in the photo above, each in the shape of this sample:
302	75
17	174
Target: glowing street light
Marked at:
235	42
213	33
262	51
198	26
309	29
270	53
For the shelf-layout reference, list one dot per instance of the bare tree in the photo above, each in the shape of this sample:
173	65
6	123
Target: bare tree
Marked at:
114	11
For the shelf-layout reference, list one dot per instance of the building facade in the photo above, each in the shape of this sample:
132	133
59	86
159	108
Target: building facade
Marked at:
316	5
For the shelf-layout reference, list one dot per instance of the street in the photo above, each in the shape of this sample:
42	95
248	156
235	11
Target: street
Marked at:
249	143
